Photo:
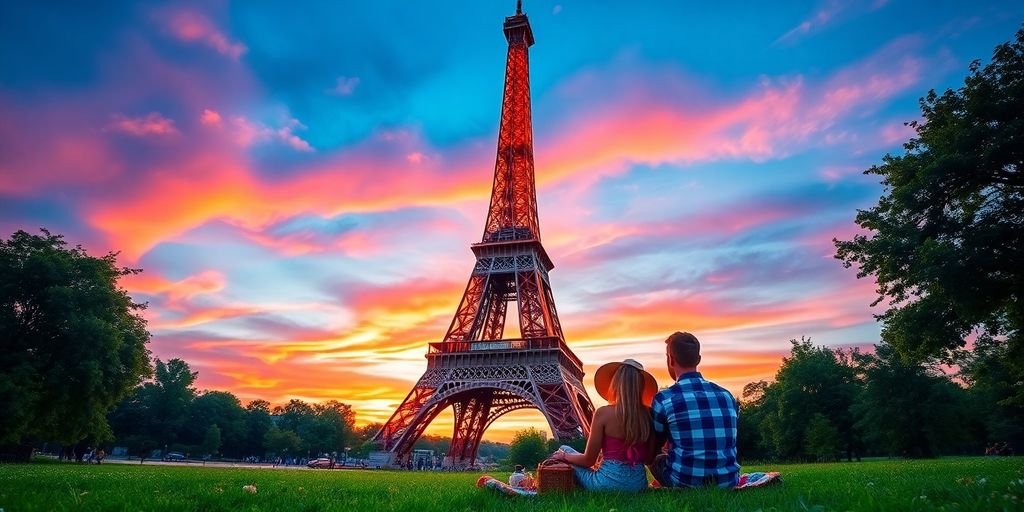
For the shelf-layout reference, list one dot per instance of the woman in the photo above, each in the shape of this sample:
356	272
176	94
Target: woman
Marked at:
620	432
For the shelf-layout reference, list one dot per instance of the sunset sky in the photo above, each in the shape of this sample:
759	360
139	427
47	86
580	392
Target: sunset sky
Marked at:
301	181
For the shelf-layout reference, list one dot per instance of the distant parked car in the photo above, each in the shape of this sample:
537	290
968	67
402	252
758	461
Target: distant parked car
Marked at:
174	456
320	463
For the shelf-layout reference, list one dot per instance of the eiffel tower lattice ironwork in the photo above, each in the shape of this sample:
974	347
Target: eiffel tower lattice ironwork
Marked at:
476	371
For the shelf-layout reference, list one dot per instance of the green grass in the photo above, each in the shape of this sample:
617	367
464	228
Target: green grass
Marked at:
961	484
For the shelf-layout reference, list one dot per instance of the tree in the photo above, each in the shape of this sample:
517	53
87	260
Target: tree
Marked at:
72	343
909	410
813	379
821	439
363	443
751	441
257	423
331	429
281	441
157	413
528	448
172	393
211	440
946	242
222	409
988	370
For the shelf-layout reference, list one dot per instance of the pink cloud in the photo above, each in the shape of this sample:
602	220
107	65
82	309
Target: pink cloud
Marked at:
345	86
246	132
893	134
192	26
210	117
151	124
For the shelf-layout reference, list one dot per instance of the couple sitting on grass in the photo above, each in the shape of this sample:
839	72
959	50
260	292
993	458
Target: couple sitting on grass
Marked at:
693	419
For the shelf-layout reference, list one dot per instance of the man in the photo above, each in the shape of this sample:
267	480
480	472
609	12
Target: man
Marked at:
698	419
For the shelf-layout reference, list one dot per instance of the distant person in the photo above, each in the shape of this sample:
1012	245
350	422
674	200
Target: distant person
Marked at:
518	477
698	420
621	431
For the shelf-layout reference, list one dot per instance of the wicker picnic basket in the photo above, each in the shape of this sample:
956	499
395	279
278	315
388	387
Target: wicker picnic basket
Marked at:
555	476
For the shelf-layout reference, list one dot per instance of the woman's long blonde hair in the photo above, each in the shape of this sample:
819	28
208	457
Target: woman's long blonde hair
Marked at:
628	387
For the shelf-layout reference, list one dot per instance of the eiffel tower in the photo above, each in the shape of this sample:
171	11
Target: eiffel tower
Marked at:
476	371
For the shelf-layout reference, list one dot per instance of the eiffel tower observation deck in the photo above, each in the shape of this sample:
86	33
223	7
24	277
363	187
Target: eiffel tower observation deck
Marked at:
476	370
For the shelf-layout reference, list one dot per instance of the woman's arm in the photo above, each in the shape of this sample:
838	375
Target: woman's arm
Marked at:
589	456
654	443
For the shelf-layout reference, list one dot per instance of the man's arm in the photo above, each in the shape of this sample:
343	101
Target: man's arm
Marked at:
659	427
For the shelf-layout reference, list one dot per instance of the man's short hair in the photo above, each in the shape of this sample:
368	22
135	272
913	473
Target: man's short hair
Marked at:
685	349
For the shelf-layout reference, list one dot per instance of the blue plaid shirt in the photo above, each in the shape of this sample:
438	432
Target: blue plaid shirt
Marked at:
700	418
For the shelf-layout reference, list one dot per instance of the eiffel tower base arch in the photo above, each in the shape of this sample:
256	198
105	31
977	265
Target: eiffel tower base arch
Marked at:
479	395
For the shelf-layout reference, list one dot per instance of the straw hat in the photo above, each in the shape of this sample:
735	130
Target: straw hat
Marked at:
603	380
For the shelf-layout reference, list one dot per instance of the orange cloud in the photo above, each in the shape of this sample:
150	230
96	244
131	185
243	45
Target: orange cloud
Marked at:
149	283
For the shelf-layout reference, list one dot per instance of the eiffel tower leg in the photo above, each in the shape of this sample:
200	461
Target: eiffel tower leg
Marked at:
461	328
409	420
563	411
471	419
494	323
534	318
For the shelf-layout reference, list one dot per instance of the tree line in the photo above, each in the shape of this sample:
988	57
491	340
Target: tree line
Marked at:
167	413
827	404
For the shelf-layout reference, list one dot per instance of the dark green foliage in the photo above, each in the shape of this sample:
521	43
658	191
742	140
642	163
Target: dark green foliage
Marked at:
211	441
821	439
909	410
812	380
257	424
156	413
222	410
323	428
363	443
282	442
989	371
72	343
168	412
528	448
946	240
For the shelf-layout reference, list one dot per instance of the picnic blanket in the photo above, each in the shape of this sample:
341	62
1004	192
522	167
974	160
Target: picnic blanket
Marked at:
489	482
746	481
758	479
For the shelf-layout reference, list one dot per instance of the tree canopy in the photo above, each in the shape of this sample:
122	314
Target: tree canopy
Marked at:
528	448
946	240
72	343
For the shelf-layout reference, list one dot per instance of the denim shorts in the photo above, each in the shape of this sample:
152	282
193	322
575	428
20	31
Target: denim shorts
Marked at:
611	475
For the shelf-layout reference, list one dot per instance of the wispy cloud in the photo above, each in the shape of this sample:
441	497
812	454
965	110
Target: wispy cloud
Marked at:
822	16
344	86
247	132
150	124
192	26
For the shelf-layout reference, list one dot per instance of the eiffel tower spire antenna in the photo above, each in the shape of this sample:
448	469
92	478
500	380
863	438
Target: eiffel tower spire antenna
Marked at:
475	370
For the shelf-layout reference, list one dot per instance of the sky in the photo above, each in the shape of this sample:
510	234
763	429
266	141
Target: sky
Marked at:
301	181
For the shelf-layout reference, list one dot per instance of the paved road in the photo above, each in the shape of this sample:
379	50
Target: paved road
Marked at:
157	462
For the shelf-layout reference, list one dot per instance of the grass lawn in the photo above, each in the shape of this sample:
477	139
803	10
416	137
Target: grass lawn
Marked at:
962	484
